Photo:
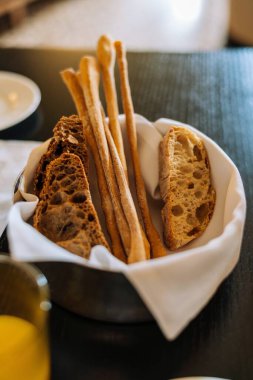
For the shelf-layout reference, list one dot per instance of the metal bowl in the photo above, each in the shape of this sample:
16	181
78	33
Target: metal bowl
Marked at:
93	293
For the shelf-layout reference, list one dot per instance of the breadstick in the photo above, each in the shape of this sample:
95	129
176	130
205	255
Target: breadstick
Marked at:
89	78
137	251
124	189
157	247
106	57
70	79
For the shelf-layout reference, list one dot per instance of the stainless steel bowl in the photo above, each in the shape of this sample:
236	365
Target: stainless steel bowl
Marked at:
94	293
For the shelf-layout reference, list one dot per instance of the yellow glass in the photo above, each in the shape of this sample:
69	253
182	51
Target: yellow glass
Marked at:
24	307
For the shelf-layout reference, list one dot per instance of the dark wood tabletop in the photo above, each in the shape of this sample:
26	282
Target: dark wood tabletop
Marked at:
213	92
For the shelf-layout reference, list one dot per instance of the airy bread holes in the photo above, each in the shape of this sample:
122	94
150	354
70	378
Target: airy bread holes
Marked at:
202	211
191	185
60	176
197	153
197	174
40	181
69	227
70	191
194	231
58	198
198	194
59	149
79	197
90	218
70	170
177	210
80	139
55	187
66	182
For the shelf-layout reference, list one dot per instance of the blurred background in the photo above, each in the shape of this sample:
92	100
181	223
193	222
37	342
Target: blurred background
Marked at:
146	25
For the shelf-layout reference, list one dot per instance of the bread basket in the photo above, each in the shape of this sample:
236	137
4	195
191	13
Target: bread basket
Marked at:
157	289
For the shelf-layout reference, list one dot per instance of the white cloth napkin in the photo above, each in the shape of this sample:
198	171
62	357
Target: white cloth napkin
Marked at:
13	158
174	288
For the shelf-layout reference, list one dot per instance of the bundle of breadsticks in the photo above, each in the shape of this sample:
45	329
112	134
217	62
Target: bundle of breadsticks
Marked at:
65	212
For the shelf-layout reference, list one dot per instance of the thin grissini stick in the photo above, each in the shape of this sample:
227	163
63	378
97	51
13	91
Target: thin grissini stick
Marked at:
116	244
69	78
140	249
106	57
157	247
89	78
71	81
145	240
137	251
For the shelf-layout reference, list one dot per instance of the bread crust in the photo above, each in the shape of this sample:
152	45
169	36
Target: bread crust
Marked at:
68	138
65	213
185	186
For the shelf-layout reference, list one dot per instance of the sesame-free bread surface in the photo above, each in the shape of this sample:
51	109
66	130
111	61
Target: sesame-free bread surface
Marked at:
65	213
68	138
185	186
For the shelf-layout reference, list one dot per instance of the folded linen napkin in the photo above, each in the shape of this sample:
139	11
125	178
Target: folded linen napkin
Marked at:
13	158
174	288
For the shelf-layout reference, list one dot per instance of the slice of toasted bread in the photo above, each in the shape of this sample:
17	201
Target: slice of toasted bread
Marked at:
68	138
185	185
65	213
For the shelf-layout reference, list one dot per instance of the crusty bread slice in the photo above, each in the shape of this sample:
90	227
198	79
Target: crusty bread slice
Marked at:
68	138
65	213
185	185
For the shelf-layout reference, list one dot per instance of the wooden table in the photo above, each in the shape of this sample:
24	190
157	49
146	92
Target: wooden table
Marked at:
213	92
